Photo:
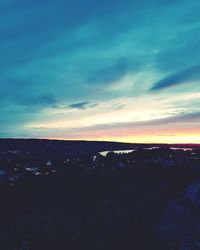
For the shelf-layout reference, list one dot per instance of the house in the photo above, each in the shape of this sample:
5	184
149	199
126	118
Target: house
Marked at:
32	169
49	163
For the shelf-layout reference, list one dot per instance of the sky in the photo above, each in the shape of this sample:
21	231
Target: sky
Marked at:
114	70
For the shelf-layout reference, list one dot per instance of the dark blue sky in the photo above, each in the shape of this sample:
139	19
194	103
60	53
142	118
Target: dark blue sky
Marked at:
114	70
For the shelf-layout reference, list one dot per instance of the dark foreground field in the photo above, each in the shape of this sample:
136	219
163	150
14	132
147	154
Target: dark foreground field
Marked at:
143	208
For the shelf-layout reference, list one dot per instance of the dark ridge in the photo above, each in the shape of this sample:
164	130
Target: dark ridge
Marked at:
46	145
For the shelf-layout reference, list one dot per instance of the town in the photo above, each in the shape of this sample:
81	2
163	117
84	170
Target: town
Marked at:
98	195
18	164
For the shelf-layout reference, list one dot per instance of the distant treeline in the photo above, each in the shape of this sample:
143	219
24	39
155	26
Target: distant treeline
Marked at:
44	145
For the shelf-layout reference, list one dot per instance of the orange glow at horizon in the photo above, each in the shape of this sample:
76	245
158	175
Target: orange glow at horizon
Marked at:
153	138
163	134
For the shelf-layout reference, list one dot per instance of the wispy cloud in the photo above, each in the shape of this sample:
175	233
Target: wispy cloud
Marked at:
193	117
186	76
111	73
43	100
82	105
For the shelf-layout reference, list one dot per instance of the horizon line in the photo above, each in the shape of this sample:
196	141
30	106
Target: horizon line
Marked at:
106	141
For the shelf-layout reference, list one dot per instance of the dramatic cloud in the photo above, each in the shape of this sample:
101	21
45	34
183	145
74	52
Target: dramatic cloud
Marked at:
190	75
56	55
